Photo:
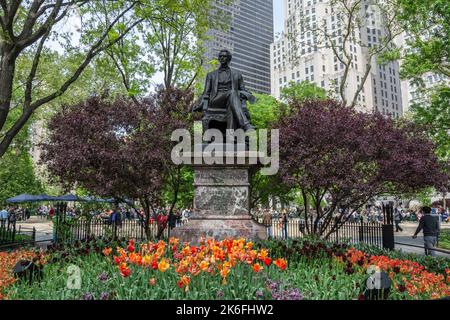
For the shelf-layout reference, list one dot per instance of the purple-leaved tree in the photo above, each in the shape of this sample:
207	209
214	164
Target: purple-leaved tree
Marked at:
330	151
120	148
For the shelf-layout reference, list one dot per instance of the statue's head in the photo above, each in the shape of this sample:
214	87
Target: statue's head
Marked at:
225	56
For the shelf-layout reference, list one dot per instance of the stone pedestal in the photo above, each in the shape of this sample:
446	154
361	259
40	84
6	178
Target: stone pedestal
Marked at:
221	205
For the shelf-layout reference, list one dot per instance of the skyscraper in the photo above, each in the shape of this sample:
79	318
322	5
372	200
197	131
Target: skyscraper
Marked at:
299	55
248	38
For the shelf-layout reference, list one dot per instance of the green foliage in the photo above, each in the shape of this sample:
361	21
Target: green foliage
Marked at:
303	91
265	111
435	116
16	167
428	24
185	196
264	187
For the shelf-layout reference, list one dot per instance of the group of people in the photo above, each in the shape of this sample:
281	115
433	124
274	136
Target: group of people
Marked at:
441	215
157	216
10	215
269	215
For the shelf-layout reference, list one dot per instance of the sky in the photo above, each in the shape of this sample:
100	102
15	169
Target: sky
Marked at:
278	16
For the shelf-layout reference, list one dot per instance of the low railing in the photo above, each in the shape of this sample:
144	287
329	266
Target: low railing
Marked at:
10	234
369	233
127	229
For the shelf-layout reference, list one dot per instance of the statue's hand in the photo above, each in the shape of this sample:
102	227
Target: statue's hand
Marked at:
244	95
200	106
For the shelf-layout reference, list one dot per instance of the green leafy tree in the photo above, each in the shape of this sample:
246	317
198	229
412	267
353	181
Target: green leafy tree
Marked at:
300	92
16	169
436	117
265	111
264	114
28	27
172	46
427	22
428	50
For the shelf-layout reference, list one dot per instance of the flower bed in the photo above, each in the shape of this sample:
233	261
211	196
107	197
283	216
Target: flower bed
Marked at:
7	262
229	269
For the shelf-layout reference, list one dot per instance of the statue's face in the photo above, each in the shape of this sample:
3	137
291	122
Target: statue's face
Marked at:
224	58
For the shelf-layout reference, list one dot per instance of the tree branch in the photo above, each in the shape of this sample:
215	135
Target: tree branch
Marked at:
32	74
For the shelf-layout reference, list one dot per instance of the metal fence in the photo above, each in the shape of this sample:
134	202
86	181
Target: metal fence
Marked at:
127	229
369	233
10	234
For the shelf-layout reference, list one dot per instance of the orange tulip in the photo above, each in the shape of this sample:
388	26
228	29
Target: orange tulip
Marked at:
281	263
124	270
184	282
262	254
107	251
204	265
163	265
257	268
224	272
147	260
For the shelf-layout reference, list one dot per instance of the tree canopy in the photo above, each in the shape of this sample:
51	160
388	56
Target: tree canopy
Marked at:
330	151
119	148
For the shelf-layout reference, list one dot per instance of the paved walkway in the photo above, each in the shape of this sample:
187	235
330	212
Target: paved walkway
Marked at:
44	229
406	237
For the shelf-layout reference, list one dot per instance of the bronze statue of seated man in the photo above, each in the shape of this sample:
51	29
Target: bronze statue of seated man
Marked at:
224	101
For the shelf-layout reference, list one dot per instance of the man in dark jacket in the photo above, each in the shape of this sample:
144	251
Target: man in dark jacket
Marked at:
224	98
430	227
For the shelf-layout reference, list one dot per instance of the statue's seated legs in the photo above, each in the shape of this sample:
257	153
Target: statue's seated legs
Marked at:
231	104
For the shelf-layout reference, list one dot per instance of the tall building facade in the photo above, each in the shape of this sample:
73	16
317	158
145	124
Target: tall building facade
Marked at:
248	38
298	55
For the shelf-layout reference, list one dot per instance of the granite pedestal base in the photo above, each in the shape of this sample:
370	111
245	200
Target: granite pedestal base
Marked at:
221	206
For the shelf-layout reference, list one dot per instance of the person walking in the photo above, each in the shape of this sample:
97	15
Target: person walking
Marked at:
398	219
3	217
430	227
284	224
267	221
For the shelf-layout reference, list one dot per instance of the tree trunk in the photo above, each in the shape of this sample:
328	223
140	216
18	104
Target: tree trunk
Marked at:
7	68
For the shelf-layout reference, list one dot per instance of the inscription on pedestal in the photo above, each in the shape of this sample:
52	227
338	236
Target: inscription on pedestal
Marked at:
221	176
225	200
